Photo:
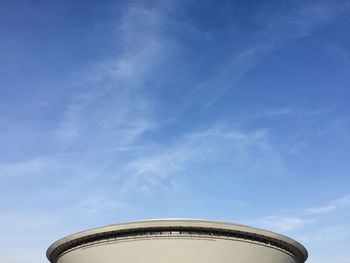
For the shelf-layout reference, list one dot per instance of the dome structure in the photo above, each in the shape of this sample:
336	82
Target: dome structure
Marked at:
176	240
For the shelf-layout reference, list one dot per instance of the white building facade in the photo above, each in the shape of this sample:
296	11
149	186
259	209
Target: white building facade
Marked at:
176	241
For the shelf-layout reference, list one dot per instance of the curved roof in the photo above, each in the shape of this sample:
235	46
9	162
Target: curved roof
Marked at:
183	225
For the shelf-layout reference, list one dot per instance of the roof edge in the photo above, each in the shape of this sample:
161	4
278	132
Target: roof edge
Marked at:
171	223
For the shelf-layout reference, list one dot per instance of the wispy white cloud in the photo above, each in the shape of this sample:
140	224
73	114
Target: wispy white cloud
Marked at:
106	111
283	223
321	209
327	234
24	168
314	216
238	65
296	112
144	48
339	126
314	15
100	203
333	205
93	190
278	31
115	103
241	153
280	112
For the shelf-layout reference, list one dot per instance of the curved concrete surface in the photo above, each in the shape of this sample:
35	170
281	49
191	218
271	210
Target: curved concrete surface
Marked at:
170	241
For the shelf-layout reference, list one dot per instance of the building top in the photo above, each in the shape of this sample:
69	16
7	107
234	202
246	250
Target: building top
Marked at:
185	226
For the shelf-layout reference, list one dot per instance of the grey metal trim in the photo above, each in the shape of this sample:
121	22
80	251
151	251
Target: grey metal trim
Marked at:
151	227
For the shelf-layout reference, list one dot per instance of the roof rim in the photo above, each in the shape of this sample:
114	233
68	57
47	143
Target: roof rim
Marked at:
174	222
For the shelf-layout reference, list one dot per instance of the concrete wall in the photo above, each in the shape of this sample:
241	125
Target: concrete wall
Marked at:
172	249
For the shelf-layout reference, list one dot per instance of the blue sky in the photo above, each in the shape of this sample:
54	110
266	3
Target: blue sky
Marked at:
112	111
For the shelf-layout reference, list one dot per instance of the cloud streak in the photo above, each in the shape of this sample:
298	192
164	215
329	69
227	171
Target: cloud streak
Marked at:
239	153
283	223
114	101
297	221
278	31
339	203
24	168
